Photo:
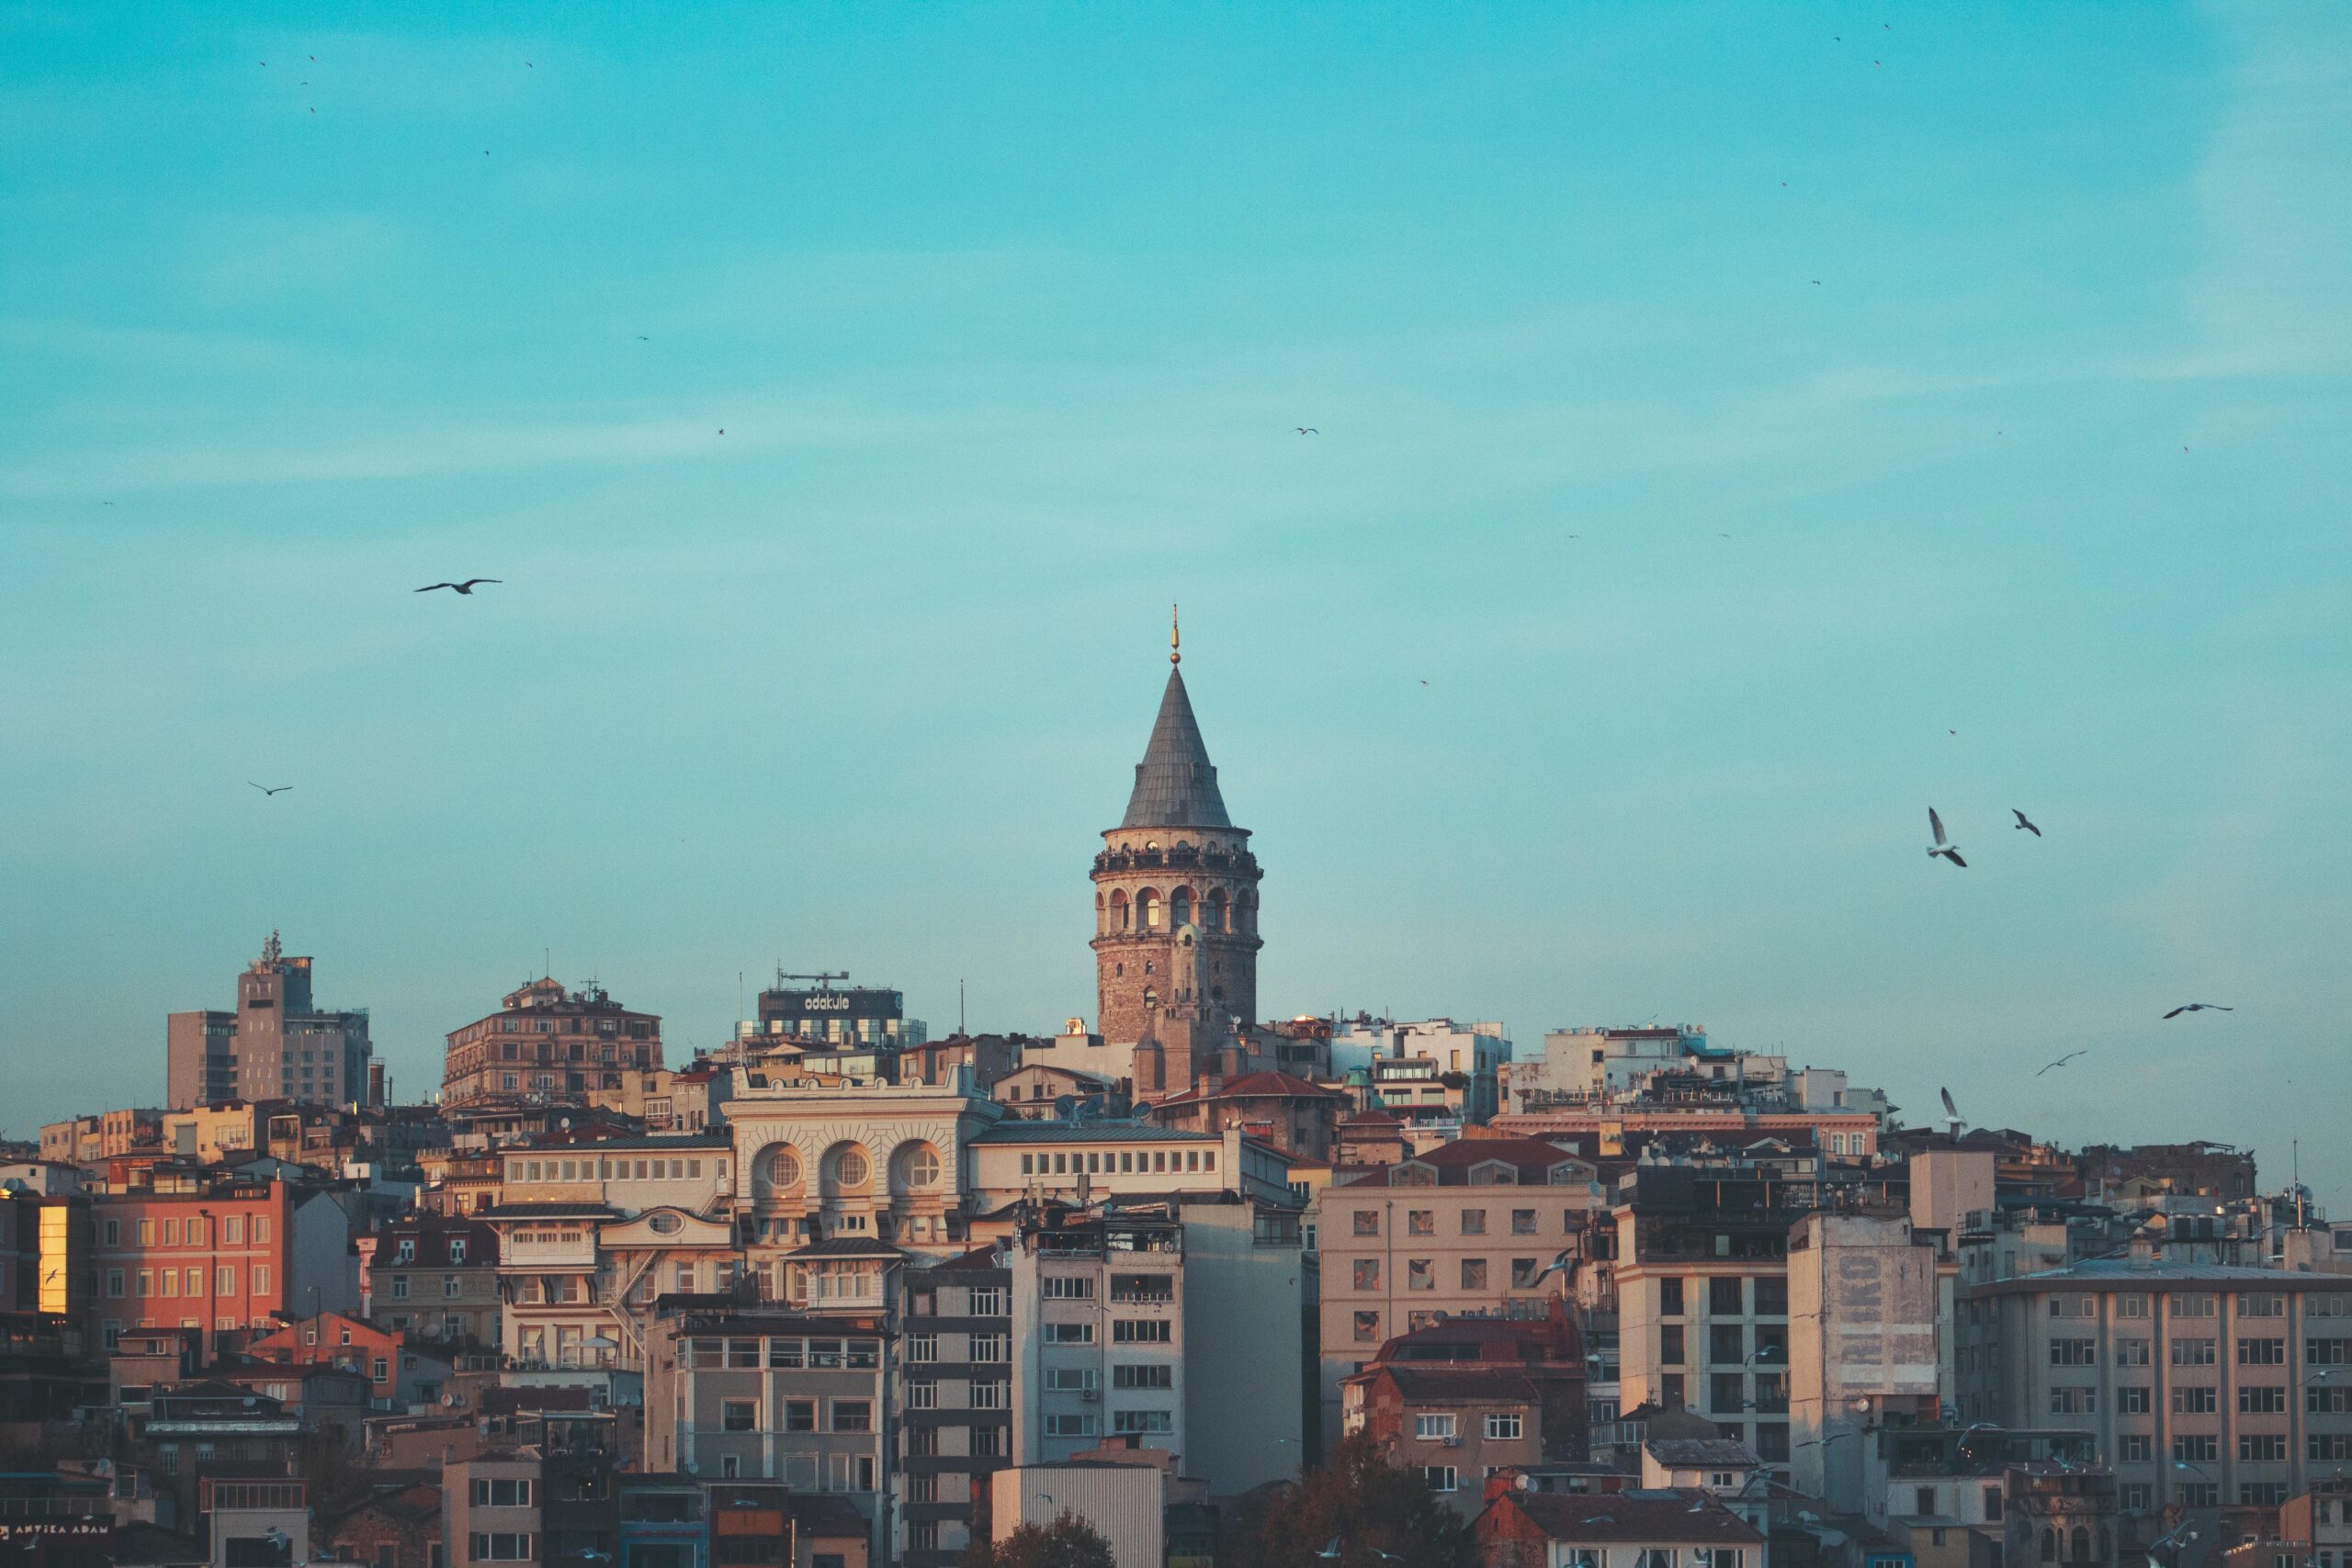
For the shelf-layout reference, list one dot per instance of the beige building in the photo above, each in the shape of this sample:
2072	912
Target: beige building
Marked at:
2206	1386
491	1509
1466	1229
1125	1503
551	1044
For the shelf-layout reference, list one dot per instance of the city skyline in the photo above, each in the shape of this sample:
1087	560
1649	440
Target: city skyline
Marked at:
2029	503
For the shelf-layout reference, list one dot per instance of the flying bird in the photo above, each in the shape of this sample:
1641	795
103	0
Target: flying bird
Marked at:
1951	1115
2199	1007
467	586
1331	1550
1309	430
2023	823
281	789
2062	1061
1560	1265
1941	846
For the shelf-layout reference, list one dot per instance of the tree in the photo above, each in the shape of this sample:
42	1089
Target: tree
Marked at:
1068	1543
1380	1515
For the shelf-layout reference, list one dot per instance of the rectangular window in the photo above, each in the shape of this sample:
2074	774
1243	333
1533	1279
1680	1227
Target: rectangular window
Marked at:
1366	1273
1434	1426
1069	1378
1503	1428
2136	1497
2139	1448
2074	1304
1418	1275
2073	1352
2132	1402
739	1416
922	1395
852	1416
1086	1425
1669	1300
2131	1352
2328	1352
1070	1287
988	1301
1522	1273
1523	1222
2192	1304
2074	1402
989	1346
495	1547
1439	1477
501	1492
2197	1450
922	1348
1367	1328
2263	1448
2262	1401
1067	1334
1473	1273
2262	1352
2261	1304
2188	1401
1161	1376
2132	1305
799	1414
2194	1352
1726	1296
1473	1222
991	1395
1670	1343
1726	1343
1149	1422
1420	1222
1138	1331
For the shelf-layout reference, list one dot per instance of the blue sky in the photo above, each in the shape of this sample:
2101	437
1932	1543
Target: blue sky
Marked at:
2009	346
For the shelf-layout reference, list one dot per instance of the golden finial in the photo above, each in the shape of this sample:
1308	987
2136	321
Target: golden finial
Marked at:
1175	637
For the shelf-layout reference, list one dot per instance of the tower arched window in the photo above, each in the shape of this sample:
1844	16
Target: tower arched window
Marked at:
1148	911
1213	911
1180	908
1118	911
2082	1544
2049	1544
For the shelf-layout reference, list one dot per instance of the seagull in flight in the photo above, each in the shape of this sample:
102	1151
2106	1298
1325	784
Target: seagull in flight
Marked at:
2199	1007
1941	846
2023	823
1309	430
467	587
281	789
1559	1265
2062	1061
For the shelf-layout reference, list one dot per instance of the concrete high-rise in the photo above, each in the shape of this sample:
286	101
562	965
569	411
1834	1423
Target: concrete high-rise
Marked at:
277	1045
1175	906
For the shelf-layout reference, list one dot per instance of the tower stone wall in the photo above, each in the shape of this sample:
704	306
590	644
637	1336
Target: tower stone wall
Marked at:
1175	904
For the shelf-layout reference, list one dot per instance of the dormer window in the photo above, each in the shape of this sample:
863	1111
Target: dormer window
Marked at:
458	1249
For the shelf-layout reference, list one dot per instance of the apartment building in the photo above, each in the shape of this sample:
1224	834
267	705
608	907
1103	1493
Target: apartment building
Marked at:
775	1396
436	1279
954	1399
1098	1335
277	1045
549	1044
1703	1303
1092	1162
2207	1386
220	1253
592	1229
492	1509
1465	1398
1469	1228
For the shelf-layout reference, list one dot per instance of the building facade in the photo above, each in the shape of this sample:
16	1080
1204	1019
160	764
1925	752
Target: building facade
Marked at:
954	1400
551	1044
278	1044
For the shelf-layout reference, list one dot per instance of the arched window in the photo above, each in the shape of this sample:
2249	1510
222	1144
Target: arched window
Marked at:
918	1167
847	1170
2049	1544
2082	1544
1118	911
1102	915
1180	908
1147	910
1151	998
1214	914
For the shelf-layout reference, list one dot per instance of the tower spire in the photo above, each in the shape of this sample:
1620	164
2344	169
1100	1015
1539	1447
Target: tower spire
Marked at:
1175	637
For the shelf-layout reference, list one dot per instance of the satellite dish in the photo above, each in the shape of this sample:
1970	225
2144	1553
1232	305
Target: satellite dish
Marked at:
563	1123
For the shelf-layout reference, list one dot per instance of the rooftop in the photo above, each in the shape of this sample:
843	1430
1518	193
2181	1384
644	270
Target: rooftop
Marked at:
1086	1132
1633	1517
1175	782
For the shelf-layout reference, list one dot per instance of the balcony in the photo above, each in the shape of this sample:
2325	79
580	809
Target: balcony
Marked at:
518	1256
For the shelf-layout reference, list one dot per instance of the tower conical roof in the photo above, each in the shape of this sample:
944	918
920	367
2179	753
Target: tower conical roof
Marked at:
1176	783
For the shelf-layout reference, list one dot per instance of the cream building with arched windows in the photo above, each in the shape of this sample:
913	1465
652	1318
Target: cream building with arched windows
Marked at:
877	1162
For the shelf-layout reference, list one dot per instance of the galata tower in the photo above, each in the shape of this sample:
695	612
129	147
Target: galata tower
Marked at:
1175	902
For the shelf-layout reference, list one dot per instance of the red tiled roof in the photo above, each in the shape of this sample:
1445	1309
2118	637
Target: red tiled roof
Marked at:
1251	1085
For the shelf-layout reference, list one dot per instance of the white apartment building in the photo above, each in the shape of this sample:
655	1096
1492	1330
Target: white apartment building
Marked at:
1089	1162
1098	1336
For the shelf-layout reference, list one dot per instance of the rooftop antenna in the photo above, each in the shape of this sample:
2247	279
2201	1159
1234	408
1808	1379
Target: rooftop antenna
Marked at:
959	1007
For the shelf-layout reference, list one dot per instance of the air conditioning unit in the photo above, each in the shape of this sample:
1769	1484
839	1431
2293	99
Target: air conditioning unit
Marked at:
1454	1442
1090	1395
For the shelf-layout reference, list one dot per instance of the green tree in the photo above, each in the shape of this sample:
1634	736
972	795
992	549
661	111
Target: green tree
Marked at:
1068	1543
1378	1515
